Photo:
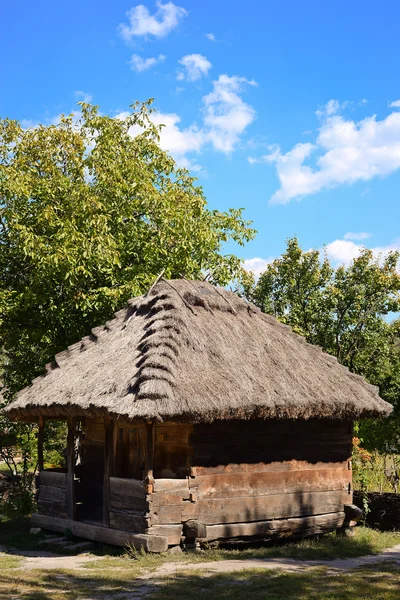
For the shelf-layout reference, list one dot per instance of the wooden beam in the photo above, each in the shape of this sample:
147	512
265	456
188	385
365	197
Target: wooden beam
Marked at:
115	467
150	446
108	468
71	468
277	528
40	444
150	543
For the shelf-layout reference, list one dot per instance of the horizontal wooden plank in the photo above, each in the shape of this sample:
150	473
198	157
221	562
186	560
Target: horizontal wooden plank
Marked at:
228	485
119	500
135	523
272	426
133	488
172	486
173	533
173	433
52	494
260	467
94	431
261	508
163	499
150	543
53	478
55	509
166	515
253	455
279	528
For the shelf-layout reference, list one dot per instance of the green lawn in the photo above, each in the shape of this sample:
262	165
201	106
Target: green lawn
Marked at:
380	583
118	577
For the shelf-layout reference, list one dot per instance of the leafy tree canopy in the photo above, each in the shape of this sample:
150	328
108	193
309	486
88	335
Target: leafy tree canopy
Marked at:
91	210
345	311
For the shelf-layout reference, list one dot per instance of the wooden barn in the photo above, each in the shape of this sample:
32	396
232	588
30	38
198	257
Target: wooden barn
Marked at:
192	415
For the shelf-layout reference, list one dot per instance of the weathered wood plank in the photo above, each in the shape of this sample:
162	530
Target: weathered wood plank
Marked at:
132	488
94	430
281	528
53	494
250	453
150	448
118	500
55	509
262	508
108	466
128	521
172	486
53	479
71	468
173	433
40	441
272	426
164	499
166	515
173	533
150	543
260	467
228	485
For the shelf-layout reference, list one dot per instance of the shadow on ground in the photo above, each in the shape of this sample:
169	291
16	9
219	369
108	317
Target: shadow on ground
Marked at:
380	582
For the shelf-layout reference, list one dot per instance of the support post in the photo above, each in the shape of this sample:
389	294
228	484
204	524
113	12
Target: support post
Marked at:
149	462
71	468
40	444
108	468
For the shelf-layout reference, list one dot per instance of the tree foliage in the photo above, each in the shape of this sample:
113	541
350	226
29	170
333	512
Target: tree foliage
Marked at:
346	311
91	210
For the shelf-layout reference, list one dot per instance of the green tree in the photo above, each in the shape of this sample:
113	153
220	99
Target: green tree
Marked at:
345	311
91	210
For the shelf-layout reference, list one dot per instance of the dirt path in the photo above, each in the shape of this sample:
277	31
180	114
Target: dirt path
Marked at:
286	564
50	560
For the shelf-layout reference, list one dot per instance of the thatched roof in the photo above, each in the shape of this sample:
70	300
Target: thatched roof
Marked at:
192	351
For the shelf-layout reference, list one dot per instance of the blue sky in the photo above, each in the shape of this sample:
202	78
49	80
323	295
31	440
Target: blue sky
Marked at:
288	109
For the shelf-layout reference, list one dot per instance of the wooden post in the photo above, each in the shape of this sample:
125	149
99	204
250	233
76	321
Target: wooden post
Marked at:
150	447
115	469
71	468
40	444
108	468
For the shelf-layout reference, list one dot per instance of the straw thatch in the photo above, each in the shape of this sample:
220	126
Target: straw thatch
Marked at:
191	351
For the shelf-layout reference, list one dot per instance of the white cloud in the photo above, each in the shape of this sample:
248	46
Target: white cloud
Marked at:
139	64
84	96
362	235
344	251
345	152
257	265
395	104
196	66
223	120
211	37
142	23
226	114
225	117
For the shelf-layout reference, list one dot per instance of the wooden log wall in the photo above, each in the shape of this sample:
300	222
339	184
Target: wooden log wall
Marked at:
172	450
254	472
128	505
52	494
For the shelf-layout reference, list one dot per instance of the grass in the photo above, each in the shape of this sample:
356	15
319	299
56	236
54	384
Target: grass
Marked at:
10	562
119	577
380	583
328	547
15	534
